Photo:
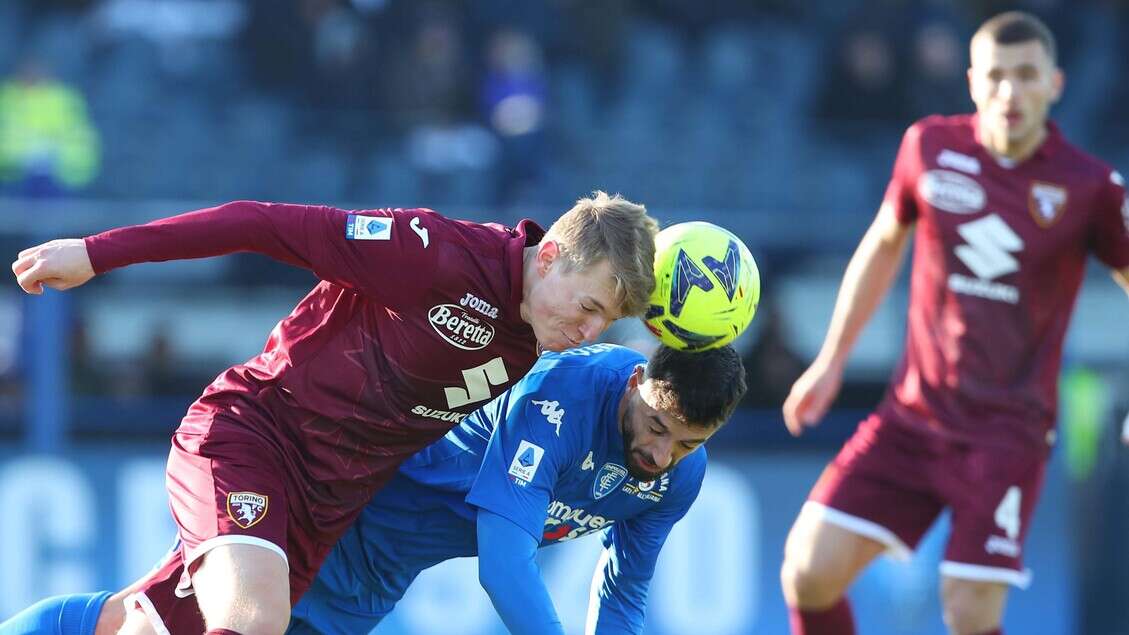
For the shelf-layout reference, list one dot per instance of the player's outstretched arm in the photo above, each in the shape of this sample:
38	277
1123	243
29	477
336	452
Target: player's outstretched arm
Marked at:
623	574
58	264
868	277
631	550
511	577
312	237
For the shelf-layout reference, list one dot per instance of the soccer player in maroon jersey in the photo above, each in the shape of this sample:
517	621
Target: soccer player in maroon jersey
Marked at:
418	320
1006	212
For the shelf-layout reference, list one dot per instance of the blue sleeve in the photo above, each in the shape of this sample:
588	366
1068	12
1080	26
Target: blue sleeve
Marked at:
539	437
510	576
631	548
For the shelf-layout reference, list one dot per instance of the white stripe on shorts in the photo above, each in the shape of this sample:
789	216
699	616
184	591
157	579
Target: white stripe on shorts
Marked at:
981	573
895	547
184	588
142	600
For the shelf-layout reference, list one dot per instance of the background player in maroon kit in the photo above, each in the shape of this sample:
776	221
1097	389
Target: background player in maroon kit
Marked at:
418	319
1006	212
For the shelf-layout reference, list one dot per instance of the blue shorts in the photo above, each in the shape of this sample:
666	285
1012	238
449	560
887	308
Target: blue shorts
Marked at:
373	564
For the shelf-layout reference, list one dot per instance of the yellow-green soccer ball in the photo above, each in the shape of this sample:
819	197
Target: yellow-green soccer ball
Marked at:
707	287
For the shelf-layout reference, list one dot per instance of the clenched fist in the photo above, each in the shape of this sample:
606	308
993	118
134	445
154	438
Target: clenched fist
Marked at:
58	264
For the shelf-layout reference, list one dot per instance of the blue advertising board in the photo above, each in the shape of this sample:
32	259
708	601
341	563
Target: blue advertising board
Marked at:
96	518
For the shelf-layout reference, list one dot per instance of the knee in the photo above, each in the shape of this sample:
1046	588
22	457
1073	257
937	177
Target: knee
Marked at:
810	583
972	607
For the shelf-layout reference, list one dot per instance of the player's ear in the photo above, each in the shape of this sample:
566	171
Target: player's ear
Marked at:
1058	82
547	253
636	378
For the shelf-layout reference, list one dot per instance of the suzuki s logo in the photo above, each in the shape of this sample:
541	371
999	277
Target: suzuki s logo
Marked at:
990	243
988	254
460	328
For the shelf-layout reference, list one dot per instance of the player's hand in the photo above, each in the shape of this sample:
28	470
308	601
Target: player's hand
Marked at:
812	395
58	264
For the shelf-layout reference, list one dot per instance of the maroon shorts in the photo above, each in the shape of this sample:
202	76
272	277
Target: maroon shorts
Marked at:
890	482
227	487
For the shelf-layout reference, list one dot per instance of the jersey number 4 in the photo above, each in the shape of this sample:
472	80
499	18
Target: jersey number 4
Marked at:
477	381
1007	514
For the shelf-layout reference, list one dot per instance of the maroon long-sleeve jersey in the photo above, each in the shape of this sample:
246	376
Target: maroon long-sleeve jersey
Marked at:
415	323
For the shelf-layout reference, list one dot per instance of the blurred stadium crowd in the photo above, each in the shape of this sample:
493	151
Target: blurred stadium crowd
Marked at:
759	105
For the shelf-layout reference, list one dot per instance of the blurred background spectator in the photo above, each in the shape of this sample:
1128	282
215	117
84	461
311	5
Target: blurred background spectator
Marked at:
48	145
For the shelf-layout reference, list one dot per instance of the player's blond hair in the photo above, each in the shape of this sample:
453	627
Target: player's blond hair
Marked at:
612	228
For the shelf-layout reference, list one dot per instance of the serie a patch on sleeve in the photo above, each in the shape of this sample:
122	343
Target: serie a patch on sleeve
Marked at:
359	227
526	459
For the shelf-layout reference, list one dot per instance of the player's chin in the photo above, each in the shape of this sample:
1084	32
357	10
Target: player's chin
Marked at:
642	475
554	346
559	343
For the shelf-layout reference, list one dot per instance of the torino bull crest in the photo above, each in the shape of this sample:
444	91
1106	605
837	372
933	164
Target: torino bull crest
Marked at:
246	508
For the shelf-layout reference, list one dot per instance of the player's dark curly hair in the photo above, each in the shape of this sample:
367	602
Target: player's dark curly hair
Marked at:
705	385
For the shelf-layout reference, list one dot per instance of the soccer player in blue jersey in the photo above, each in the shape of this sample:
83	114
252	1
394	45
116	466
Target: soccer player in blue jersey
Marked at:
588	441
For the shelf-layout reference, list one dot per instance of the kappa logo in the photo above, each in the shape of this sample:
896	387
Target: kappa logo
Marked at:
480	305
957	161
553	414
608	479
951	192
246	508
459	328
988	254
359	227
1046	202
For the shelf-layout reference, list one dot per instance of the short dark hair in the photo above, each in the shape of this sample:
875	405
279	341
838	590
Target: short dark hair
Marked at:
706	385
1015	27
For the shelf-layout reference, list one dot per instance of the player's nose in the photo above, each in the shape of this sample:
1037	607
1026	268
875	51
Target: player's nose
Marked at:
593	327
1006	89
663	453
